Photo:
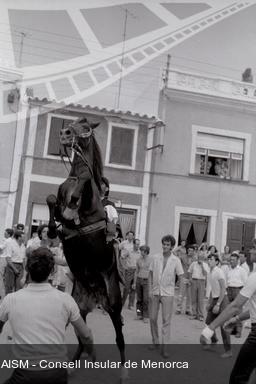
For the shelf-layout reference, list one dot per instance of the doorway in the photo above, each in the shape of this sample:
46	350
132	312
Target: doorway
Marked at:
193	228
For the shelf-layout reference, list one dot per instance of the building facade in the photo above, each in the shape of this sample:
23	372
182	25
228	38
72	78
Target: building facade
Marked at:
12	126
204	183
123	138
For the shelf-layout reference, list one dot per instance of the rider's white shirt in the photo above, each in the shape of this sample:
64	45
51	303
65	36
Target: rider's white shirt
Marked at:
249	291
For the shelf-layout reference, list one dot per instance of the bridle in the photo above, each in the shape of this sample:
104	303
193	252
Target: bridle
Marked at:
76	148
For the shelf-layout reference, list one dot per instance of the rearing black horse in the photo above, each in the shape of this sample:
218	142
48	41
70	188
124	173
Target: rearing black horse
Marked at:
79	209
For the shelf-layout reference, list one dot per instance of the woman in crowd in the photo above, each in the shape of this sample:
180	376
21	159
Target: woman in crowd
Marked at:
225	256
203	251
212	250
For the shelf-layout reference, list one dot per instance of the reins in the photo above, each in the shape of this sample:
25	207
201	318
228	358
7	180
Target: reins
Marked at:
76	148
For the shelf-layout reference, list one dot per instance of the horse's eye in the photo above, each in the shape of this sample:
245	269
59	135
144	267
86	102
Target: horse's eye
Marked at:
68	132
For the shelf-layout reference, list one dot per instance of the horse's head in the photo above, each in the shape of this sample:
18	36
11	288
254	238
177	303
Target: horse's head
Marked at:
77	131
79	136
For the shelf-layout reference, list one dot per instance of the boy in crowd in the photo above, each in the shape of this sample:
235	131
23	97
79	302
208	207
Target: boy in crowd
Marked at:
185	285
197	273
141	283
130	261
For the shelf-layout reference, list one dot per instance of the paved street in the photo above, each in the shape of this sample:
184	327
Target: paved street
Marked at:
185	333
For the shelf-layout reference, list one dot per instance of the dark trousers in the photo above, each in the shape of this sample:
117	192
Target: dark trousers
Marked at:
232	294
142	297
49	376
211	316
246	361
128	280
11	279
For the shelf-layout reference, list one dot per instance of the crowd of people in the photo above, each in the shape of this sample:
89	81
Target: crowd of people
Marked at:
14	251
178	279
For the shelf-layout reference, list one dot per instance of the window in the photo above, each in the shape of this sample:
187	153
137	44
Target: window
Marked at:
52	144
121	146
219	153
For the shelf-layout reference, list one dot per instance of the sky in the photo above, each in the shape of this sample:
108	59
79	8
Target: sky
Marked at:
223	50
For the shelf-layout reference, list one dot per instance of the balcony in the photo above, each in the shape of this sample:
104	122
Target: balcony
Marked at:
212	86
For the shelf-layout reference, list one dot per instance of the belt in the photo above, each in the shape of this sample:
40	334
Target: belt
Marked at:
84	230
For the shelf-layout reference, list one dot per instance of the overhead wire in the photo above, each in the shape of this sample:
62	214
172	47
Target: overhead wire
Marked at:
60	43
92	40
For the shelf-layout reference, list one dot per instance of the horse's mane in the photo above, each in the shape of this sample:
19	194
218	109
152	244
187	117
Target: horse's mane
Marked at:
97	163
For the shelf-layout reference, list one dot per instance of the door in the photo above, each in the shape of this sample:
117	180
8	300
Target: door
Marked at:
240	234
249	234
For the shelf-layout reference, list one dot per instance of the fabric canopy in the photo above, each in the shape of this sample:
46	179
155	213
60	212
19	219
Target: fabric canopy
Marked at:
126	223
200	228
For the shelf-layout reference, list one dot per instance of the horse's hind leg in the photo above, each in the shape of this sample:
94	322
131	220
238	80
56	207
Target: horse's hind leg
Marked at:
118	324
114	311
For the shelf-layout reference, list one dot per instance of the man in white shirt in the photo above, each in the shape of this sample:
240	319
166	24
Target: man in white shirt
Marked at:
162	273
236	277
243	263
38	316
15	258
245	362
197	272
126	246
218	301
8	233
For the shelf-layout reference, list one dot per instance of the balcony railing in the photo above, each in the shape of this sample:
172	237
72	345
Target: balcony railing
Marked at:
193	82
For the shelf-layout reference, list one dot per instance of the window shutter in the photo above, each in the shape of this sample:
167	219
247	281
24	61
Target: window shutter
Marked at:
54	141
121	146
54	137
220	143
